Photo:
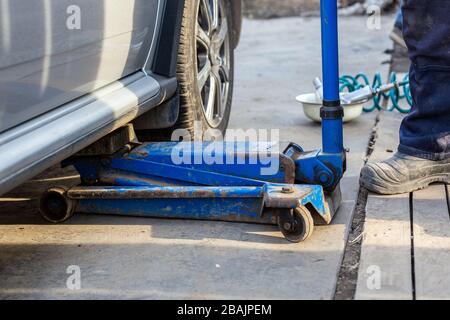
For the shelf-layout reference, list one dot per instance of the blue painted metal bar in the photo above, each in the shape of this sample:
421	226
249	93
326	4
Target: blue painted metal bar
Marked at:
333	137
132	192
187	175
244	204
332	112
330	51
222	209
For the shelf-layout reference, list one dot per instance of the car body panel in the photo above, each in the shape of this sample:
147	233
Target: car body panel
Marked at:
54	51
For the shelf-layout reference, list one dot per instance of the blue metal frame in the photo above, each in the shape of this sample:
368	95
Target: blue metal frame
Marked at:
146	181
330	50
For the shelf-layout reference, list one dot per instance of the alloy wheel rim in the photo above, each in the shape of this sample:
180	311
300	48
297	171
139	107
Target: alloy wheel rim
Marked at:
213	59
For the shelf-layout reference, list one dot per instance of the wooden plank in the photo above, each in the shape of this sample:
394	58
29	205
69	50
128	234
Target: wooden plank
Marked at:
385	263
432	243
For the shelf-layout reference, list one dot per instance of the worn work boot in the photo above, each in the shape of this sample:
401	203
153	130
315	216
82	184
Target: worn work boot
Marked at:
403	173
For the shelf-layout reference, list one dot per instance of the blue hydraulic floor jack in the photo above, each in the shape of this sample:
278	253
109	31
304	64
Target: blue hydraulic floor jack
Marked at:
143	179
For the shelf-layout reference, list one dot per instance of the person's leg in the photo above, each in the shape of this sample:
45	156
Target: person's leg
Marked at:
424	151
425	132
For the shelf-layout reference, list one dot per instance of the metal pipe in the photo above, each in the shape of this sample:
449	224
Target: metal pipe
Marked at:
332	112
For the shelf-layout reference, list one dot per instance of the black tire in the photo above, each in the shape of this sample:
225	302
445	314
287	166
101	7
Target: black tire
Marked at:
192	106
296	225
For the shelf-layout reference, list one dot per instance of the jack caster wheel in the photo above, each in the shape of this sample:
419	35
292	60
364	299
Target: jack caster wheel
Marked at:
296	225
55	207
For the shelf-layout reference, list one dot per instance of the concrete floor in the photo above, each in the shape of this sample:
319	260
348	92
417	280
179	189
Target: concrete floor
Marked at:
156	259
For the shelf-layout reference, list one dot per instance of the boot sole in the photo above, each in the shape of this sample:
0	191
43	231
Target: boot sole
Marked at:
415	185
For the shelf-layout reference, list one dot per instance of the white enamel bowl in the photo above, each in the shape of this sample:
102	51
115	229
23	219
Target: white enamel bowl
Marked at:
311	107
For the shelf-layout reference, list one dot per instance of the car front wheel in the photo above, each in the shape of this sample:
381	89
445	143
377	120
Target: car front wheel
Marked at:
205	65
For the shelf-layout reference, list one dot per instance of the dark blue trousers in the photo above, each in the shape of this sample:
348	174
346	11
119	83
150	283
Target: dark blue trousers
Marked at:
425	132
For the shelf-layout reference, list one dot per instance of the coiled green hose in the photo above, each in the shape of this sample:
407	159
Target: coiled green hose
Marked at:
350	84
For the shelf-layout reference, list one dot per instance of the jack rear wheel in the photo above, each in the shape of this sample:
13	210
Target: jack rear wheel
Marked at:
55	207
296	225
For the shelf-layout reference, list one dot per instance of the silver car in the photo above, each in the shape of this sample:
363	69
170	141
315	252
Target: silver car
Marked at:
72	71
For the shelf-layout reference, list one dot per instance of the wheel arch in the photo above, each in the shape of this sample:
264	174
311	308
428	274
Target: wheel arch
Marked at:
165	61
166	57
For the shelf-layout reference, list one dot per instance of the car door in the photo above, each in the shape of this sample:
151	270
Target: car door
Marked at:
54	51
